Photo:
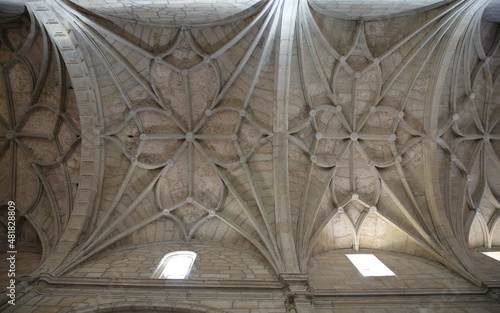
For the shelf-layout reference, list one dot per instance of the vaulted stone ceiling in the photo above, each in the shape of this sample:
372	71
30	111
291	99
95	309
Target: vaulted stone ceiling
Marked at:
373	9
40	146
161	12
283	129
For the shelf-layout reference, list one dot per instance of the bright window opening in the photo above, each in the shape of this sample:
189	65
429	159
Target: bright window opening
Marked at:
493	254
175	265
369	265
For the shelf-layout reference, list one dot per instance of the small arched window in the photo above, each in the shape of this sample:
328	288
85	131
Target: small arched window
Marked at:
175	265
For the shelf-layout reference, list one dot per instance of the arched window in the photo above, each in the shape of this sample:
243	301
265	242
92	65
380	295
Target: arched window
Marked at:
175	265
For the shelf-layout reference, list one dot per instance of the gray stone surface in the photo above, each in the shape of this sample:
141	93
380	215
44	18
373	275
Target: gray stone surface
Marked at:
272	146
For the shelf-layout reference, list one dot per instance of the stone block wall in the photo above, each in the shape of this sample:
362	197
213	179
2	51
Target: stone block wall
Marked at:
213	262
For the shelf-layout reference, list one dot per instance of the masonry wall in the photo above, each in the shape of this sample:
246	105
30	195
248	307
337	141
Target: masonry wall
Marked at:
86	300
335	271
213	262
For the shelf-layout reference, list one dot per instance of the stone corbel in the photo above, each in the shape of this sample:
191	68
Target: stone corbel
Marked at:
492	289
299	295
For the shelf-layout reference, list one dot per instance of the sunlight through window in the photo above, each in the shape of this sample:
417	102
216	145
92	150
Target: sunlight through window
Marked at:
369	265
493	254
175	265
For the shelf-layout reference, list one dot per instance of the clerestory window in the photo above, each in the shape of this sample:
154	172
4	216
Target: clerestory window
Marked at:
369	265
175	265
493	254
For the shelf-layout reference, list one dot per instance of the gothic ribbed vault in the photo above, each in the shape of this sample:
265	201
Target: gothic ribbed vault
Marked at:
269	137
